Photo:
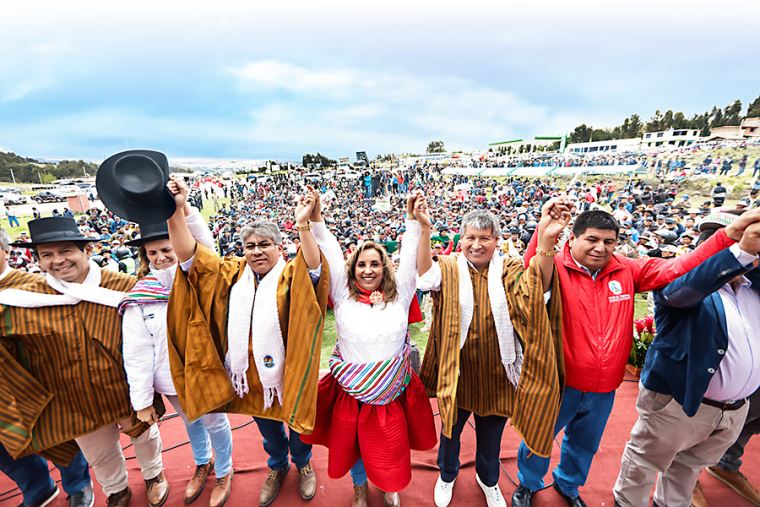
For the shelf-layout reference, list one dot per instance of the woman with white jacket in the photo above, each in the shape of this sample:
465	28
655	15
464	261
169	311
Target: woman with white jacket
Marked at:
146	356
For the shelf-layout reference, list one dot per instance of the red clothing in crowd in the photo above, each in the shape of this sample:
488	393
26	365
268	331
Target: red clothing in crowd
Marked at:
597	314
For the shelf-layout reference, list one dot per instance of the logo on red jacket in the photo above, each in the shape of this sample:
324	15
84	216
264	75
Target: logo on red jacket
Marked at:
617	290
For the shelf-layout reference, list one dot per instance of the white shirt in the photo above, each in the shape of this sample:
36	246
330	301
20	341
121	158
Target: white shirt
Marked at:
738	375
143	328
368	333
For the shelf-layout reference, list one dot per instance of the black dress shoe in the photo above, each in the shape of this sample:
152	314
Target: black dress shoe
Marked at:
572	502
522	497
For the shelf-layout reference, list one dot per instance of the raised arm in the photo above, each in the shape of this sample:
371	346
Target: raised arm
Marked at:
330	247
424	254
198	227
309	247
555	216
653	274
688	290
410	246
180	236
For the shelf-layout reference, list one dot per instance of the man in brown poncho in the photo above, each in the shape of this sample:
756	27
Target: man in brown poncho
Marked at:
494	348
245	337
61	370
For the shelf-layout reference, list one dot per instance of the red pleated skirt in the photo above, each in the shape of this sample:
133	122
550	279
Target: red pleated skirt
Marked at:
382	435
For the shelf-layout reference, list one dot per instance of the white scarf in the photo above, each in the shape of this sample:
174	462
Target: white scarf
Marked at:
257	317
164	276
70	293
509	348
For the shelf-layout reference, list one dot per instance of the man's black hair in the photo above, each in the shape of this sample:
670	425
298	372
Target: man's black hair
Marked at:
595	219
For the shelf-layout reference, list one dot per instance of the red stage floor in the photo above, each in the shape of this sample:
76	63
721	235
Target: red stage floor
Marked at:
250	470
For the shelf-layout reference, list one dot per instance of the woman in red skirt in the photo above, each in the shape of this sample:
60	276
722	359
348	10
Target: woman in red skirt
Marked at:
372	409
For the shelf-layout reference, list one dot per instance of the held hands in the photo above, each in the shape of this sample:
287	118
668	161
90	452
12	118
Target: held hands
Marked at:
411	199
316	211
555	216
735	230
179	190
421	212
148	415
750	240
305	206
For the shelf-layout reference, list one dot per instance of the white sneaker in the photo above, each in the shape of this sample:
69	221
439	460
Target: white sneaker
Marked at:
494	498
443	492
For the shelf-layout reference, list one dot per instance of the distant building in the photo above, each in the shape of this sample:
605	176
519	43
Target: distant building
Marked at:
538	143
605	147
751	127
726	133
670	137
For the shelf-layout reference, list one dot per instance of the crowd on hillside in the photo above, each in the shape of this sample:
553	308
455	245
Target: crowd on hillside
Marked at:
657	220
531	322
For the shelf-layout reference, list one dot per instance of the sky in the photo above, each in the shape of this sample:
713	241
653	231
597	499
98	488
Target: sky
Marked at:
274	80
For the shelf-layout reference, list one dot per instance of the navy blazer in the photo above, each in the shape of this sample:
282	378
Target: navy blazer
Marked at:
692	336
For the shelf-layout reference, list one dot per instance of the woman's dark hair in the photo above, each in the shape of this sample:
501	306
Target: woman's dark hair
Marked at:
595	219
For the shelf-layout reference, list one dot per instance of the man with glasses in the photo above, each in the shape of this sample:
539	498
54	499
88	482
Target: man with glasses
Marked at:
228	312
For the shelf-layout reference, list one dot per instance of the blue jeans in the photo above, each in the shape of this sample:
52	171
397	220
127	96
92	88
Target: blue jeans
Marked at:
12	219
277	444
210	431
358	473
488	430
32	476
583	415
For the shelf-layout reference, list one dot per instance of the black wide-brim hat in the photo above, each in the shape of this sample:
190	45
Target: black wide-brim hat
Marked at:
132	185
53	230
150	232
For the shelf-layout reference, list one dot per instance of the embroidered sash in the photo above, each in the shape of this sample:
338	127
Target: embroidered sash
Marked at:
375	383
146	290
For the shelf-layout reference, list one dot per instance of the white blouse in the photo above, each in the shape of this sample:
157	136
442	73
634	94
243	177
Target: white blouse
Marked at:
368	333
143	327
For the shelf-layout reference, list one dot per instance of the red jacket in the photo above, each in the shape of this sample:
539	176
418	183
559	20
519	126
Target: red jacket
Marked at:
597	315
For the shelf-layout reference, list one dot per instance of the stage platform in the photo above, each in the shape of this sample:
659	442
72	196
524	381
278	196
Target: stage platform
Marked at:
250	470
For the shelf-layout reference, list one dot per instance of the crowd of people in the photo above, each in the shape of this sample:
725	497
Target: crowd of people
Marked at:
532	286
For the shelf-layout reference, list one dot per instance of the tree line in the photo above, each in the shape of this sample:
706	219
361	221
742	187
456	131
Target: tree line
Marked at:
29	170
633	126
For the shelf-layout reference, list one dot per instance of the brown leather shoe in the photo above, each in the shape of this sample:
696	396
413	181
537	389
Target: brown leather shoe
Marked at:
360	496
738	482
307	482
221	491
157	490
271	486
120	499
698	497
391	500
198	482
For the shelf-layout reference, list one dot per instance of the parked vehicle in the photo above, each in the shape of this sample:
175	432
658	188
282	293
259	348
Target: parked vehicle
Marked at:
10	198
48	196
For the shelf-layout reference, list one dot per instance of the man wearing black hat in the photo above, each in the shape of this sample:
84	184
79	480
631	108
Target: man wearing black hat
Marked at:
30	473
64	363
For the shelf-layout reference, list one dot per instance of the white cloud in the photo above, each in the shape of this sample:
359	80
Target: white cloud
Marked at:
351	108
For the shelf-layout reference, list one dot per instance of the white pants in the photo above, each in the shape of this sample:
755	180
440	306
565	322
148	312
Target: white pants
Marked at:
102	450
